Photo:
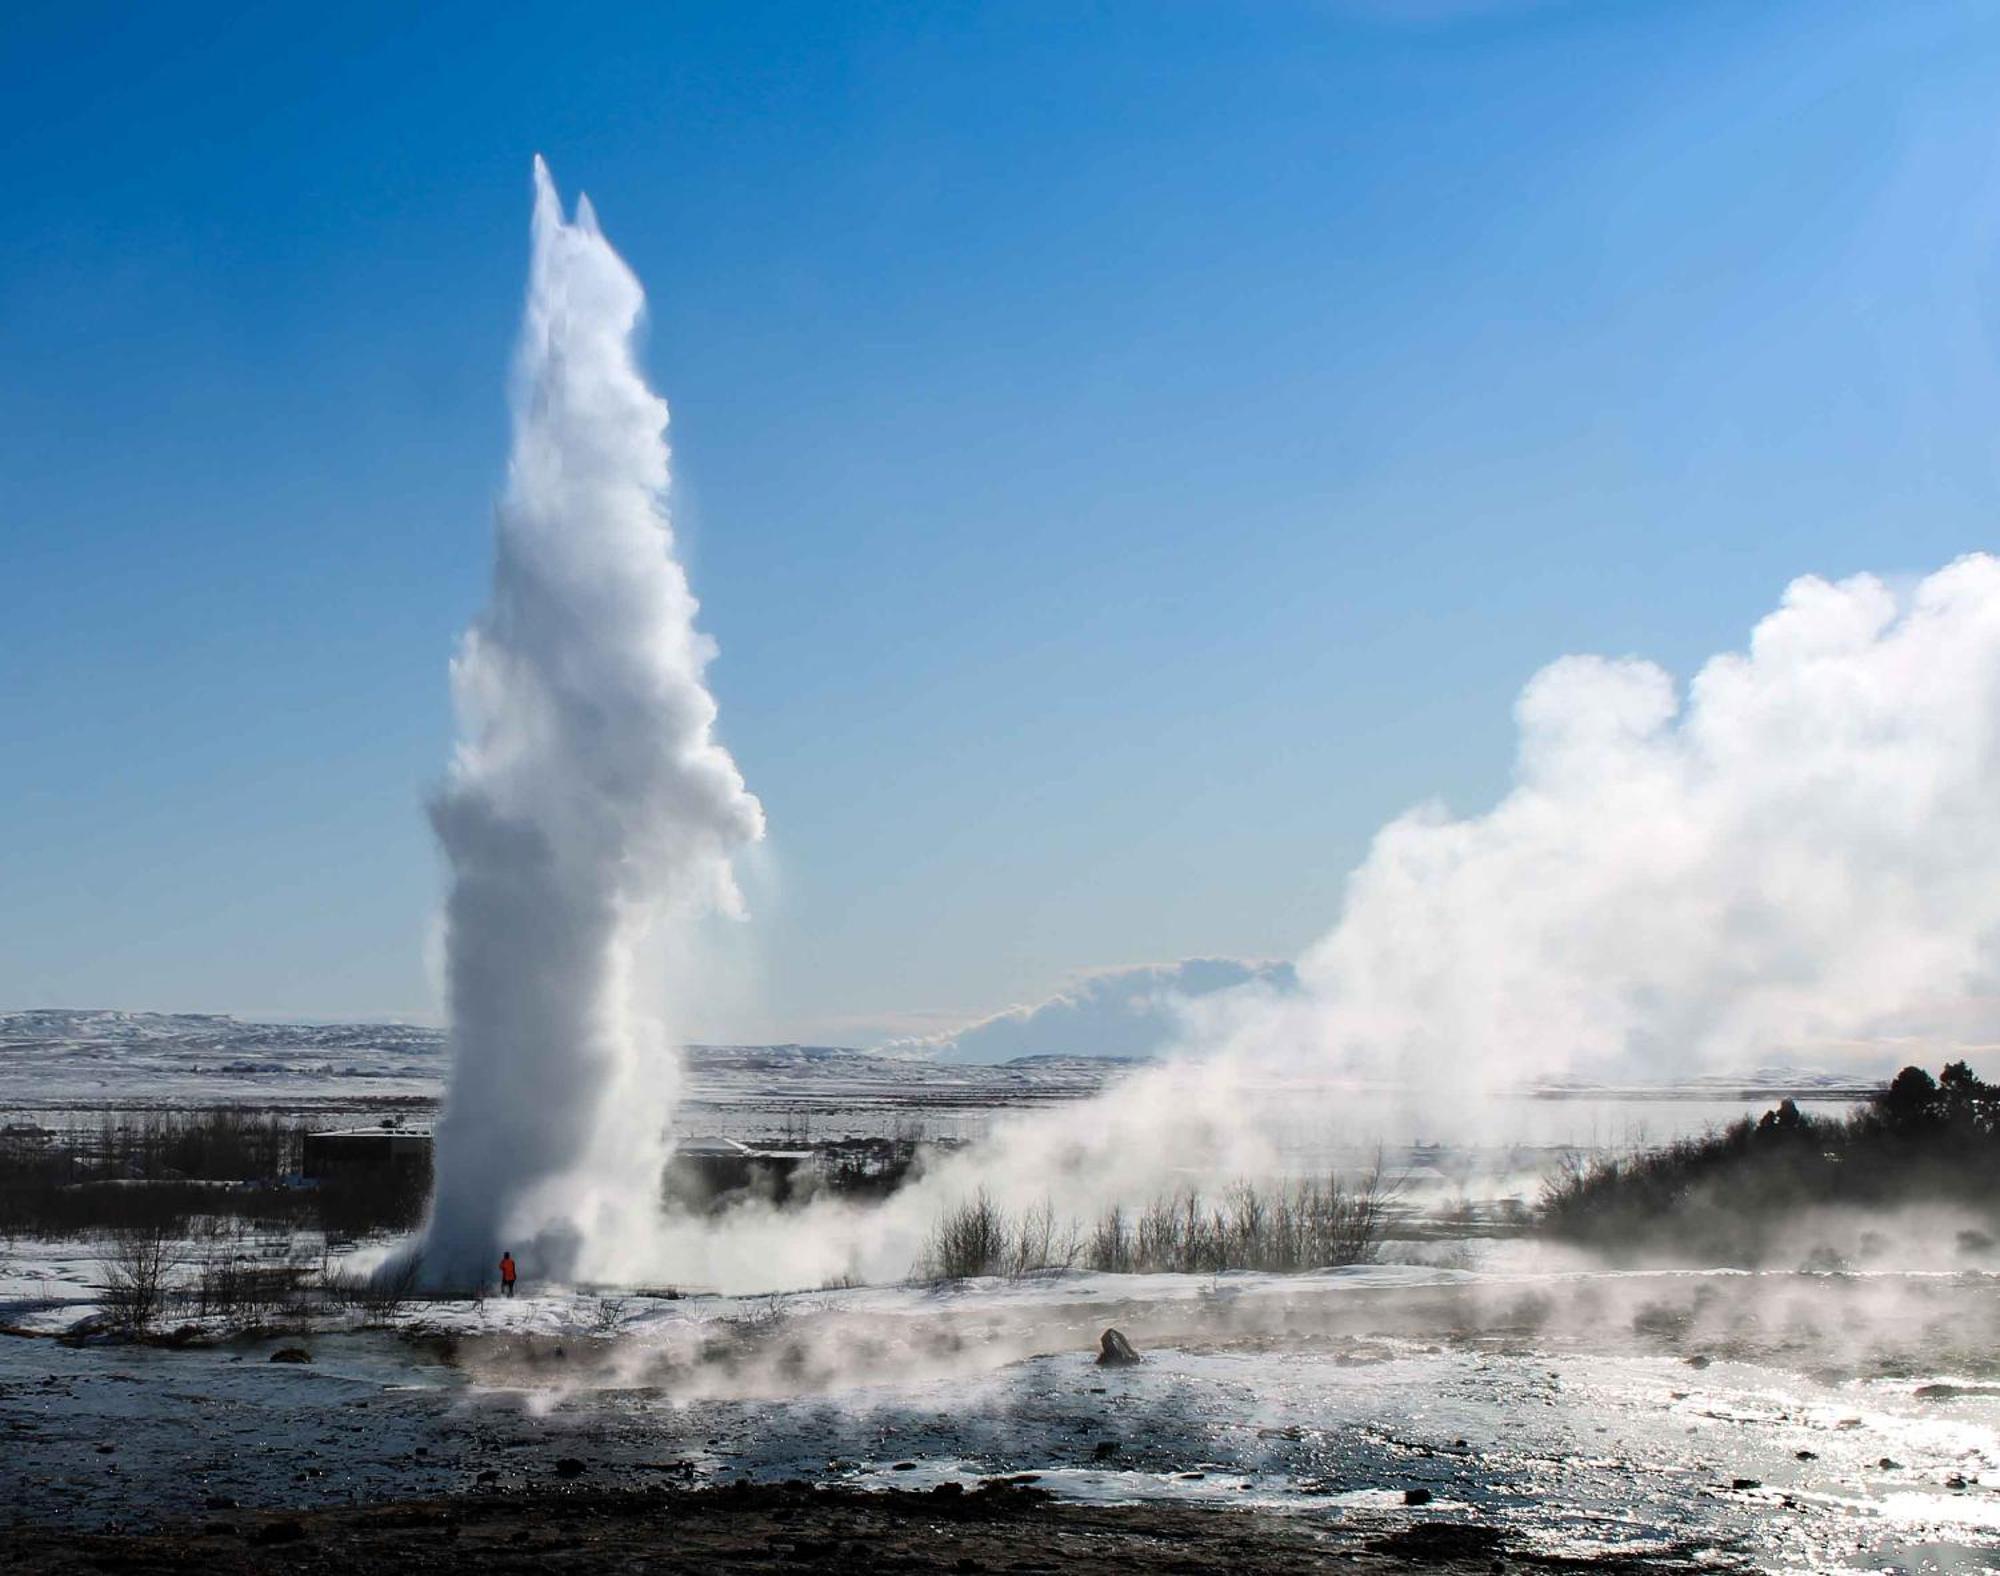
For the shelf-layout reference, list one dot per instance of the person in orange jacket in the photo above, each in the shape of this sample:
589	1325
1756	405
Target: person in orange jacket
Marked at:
507	1273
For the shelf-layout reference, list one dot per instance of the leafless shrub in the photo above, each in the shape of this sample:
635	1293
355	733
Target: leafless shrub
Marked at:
236	1276
1305	1225
379	1295
221	1250
1110	1246
137	1263
769	1311
969	1239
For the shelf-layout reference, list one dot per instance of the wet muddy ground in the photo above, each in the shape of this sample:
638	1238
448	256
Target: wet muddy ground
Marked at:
1782	1422
788	1527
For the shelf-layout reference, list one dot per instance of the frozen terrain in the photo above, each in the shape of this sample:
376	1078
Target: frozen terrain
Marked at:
1789	1422
93	1060
54	1061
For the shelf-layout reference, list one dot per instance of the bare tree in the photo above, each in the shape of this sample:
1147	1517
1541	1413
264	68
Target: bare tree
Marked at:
137	1263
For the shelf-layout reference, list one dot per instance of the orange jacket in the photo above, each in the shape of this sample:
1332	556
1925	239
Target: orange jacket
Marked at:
507	1266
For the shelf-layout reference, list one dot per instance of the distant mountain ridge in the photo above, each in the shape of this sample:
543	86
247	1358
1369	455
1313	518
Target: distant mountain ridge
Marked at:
99	1056
89	1056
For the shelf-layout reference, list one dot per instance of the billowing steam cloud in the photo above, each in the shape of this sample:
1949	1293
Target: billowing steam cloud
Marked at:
588	805
1802	854
1806	852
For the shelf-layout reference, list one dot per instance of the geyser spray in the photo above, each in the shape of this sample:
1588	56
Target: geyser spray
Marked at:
589	816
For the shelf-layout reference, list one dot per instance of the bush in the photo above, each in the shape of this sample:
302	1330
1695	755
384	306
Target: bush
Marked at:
1286	1228
1316	1224
969	1239
137	1262
379	1296
1728	1193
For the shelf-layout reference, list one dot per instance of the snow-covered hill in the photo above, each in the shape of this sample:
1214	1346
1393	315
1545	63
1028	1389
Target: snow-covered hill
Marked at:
65	1057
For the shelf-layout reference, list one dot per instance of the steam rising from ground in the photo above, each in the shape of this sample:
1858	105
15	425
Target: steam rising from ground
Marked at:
1800	857
588	805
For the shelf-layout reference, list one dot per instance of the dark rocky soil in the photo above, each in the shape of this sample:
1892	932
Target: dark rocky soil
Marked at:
1000	1527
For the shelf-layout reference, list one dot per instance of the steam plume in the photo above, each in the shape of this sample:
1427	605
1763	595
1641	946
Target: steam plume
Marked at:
1802	858
588	805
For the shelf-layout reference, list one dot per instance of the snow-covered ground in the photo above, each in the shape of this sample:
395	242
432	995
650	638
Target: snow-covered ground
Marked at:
54	1061
78	1062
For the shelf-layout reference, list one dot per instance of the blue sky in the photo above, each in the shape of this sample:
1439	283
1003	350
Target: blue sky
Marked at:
1125	452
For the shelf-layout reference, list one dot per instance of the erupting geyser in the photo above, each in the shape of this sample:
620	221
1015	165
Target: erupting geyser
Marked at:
588	806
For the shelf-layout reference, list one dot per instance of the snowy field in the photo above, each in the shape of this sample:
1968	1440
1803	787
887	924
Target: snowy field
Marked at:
54	1063
70	1065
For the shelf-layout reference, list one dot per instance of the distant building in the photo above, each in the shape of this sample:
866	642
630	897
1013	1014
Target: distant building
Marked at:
352	1151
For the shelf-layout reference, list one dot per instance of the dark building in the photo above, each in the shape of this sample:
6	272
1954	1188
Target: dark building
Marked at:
375	1151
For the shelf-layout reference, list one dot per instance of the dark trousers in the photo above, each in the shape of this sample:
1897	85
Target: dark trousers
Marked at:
508	1287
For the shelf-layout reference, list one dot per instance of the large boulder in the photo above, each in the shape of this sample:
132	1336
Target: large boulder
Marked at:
1114	1351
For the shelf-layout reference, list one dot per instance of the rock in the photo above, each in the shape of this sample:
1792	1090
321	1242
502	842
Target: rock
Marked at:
1699	1360
904	1466
105	1450
217	1529
286	1531
1743	1483
569	1467
291	1354
1020	1483
947	1491
1956	1480
1889	1464
1435	1542
1114	1351
488	1476
1416	1496
1806	1455
1106	1448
